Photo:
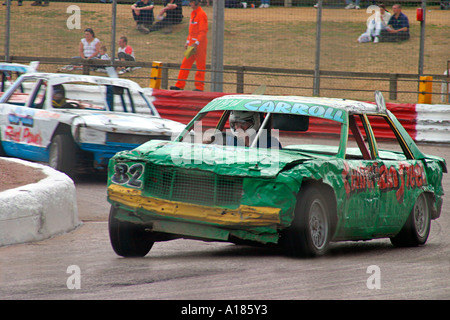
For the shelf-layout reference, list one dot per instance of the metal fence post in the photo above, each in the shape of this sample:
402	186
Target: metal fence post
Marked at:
240	79
113	31
217	46
393	86
422	37
165	77
316	81
7	29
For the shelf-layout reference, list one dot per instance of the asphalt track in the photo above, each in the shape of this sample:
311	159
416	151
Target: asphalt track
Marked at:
82	265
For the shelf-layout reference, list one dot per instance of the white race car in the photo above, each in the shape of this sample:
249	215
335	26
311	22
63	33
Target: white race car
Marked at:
76	123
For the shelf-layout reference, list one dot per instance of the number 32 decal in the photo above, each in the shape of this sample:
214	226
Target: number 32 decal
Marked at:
123	174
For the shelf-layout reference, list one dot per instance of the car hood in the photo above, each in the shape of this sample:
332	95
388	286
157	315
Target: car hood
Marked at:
128	123
223	160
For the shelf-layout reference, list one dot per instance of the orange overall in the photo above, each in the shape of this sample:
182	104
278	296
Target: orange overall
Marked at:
198	29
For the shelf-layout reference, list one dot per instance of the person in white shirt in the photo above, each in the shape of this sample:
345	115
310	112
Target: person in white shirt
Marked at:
375	24
89	46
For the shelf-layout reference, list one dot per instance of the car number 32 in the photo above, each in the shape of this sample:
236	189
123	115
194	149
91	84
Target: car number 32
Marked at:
129	175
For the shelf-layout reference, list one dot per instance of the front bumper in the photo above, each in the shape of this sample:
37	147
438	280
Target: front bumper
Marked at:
246	222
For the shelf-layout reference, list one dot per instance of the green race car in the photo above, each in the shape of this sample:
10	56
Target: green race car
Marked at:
296	172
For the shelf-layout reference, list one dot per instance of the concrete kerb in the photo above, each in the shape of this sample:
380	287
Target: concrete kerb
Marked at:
39	210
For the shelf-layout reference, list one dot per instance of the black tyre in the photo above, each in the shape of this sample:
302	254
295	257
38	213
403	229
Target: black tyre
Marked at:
62	156
309	235
416	230
128	239
2	152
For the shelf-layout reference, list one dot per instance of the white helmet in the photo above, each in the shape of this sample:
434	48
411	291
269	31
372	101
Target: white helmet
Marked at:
245	116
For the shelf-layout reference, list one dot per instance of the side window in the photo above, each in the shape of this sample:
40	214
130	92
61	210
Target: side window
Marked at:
22	93
204	128
358	146
38	96
389	143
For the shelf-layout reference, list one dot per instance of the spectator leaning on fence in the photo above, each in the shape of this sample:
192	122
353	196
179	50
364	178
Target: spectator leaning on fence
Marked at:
142	12
398	26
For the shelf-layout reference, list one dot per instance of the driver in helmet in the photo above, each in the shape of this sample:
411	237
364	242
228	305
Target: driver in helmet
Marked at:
59	96
244	126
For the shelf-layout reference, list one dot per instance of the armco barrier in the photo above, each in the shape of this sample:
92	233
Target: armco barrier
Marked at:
424	122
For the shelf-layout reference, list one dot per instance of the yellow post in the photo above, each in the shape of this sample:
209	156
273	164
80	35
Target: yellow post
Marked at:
155	75
425	85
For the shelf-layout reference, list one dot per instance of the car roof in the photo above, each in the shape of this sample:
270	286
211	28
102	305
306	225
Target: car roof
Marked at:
15	67
311	106
59	78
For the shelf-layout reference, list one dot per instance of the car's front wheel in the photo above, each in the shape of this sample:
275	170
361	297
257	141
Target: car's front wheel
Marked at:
128	239
309	234
417	227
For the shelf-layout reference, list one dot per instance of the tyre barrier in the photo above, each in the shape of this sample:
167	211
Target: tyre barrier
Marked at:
424	122
39	210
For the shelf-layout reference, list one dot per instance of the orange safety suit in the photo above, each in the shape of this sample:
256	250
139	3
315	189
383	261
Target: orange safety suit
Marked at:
198	29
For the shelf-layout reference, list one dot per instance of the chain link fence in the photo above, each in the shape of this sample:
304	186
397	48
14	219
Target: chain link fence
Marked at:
293	47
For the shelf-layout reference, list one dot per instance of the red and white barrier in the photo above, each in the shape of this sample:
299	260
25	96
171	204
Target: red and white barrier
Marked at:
424	122
433	123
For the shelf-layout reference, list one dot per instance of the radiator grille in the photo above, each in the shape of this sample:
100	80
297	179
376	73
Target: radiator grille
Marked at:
193	186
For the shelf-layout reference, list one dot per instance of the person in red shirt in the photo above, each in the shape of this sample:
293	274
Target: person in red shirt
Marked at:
197	38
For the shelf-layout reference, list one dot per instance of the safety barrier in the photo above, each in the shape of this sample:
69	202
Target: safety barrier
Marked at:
424	122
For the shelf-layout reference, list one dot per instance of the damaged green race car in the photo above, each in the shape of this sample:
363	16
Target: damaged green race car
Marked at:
295	172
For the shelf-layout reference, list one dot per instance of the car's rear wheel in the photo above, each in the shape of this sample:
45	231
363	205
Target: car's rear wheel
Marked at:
62	156
128	239
417	227
309	234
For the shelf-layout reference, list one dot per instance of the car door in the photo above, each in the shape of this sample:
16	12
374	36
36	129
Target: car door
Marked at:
363	196
400	176
21	129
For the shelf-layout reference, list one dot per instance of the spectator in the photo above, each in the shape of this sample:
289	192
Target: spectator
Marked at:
125	53
171	14
142	12
351	5
39	3
103	56
398	26
265	4
198	29
375	25
19	3
102	53
89	46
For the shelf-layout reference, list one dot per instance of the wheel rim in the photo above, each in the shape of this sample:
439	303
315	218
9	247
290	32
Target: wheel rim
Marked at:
318	224
421	216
